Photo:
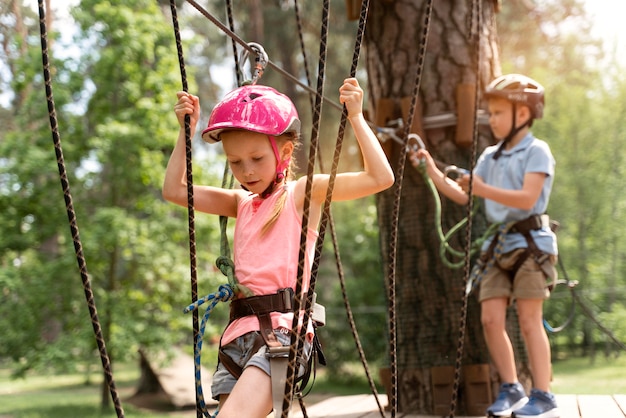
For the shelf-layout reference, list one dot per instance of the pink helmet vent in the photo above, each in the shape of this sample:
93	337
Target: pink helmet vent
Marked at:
253	108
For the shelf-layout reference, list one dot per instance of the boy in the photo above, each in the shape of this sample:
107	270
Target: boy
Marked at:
515	178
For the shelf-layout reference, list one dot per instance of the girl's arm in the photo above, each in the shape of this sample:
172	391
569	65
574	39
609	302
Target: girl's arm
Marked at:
377	174
208	199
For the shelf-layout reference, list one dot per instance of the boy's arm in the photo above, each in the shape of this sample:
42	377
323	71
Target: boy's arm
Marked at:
448	187
524	198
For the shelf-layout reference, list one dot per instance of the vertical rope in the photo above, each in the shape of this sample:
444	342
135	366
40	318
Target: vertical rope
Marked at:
476	31
296	340
231	26
396	209
71	214
190	203
326	219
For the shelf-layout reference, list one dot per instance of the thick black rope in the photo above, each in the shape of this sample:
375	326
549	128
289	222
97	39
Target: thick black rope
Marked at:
190	200
296	344
231	25
475	30
328	220
71	214
393	240
331	222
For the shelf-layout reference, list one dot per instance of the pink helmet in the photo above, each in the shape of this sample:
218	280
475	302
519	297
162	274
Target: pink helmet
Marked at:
254	108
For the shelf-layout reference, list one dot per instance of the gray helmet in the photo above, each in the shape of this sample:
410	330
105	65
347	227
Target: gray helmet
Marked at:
518	88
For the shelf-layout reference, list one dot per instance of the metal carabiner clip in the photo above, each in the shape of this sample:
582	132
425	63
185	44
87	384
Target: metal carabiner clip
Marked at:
260	62
460	172
417	142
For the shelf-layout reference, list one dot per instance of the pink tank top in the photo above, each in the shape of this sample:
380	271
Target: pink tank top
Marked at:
269	262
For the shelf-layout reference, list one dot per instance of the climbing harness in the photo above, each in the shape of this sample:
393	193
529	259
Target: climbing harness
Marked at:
71	214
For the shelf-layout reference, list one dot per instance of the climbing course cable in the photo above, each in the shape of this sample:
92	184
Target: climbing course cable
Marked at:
190	206
326	218
271	64
475	31
297	342
71	214
331	223
396	208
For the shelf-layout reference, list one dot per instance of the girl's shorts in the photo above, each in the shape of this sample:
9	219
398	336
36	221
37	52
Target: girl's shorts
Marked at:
240	350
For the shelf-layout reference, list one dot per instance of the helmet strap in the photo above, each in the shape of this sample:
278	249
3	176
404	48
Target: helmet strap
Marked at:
281	167
514	131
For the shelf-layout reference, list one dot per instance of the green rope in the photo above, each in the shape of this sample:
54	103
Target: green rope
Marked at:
446	251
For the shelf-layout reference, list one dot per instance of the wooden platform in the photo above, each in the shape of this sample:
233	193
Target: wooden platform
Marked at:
365	406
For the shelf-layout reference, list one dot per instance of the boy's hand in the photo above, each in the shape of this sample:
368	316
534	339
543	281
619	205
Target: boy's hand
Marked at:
421	155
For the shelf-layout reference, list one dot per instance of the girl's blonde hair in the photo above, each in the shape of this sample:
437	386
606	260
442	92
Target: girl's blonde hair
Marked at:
289	176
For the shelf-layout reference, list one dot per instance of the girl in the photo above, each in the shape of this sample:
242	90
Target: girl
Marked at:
259	129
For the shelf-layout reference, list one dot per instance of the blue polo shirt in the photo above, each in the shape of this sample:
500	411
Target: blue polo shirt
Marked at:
530	155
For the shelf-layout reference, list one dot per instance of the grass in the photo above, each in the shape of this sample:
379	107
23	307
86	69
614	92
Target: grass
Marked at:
67	396
580	376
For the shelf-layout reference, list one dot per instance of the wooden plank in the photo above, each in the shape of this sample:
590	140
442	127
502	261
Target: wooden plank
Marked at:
354	406
364	406
596	406
568	406
620	400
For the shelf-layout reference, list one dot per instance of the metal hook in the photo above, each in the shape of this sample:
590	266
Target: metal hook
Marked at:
260	62
460	172
419	144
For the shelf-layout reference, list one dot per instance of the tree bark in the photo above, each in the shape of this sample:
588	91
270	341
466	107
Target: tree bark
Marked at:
429	295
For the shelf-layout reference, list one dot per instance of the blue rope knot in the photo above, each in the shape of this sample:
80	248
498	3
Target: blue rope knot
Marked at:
225	293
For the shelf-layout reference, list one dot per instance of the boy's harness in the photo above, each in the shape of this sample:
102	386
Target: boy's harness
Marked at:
524	227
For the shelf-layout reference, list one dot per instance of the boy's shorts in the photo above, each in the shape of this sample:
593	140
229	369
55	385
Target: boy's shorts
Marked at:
239	350
529	282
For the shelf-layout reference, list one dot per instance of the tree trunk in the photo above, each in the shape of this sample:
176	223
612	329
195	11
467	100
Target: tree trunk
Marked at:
429	295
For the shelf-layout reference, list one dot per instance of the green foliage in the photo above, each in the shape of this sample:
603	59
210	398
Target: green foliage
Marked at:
114	105
356	226
584	125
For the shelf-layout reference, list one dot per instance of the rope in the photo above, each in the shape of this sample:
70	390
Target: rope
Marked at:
396	209
586	310
71	214
224	294
445	250
327	219
190	203
231	25
331	223
241	42
296	343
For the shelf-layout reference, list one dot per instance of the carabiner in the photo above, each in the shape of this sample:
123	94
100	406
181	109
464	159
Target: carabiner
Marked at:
260	62
419	144
460	172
